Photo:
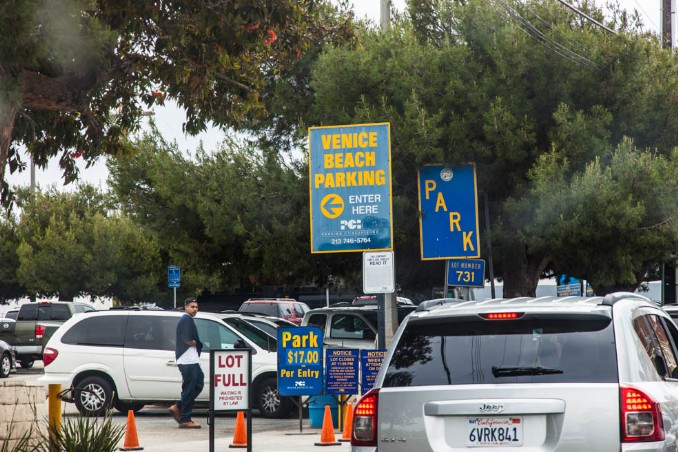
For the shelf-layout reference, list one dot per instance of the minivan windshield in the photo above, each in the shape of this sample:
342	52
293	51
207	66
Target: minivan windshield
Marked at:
471	350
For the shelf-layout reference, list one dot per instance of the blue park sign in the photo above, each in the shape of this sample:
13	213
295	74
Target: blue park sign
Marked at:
350	188
448	205
300	361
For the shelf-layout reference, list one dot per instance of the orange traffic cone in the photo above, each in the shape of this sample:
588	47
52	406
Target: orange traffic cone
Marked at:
240	434
131	440
327	433
348	424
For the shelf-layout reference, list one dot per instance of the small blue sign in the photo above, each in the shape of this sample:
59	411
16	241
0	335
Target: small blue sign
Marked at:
350	188
342	371
448	205
466	273
300	361
370	362
173	276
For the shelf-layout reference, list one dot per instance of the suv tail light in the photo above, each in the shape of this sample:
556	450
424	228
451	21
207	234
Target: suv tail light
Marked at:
365	420
48	356
39	331
641	418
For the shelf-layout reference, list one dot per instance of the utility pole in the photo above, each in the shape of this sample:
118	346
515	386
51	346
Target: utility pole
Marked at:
667	37
385	14
668	270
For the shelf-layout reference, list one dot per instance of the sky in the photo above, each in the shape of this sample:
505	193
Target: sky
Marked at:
169	118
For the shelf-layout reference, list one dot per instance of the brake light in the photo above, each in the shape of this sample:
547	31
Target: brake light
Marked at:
502	315
39	331
640	417
364	432
48	356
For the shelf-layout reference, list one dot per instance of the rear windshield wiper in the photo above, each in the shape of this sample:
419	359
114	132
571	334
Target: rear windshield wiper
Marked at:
518	371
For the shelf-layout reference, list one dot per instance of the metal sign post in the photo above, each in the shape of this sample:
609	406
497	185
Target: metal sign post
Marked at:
300	363
230	387
174	280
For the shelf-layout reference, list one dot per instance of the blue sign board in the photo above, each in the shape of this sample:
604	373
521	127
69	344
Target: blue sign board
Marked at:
569	286
448	205
173	276
370	363
350	188
342	371
300	361
466	273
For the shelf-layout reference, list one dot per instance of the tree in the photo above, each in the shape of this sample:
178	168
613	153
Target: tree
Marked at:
76	75
486	84
235	217
9	285
72	244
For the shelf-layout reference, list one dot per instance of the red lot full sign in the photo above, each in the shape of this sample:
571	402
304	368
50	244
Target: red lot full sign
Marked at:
231	379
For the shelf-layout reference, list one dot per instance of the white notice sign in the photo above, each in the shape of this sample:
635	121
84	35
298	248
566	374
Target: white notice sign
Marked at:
231	380
378	272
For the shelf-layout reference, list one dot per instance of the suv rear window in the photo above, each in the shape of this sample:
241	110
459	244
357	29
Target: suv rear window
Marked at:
259	308
471	350
44	311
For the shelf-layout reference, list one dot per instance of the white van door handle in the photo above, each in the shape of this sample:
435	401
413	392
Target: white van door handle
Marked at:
172	363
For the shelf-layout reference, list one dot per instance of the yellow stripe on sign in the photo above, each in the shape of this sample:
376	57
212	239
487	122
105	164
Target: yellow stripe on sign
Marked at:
332	206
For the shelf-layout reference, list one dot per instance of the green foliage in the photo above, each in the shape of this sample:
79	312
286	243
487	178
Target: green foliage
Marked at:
235	215
73	243
85	434
77	75
468	81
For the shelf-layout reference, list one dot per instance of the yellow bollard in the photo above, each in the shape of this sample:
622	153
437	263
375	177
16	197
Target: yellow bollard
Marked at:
54	408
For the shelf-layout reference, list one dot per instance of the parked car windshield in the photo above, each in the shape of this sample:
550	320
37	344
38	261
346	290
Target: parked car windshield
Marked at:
256	335
471	350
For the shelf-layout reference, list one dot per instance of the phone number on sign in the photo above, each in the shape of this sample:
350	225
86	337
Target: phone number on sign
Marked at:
351	240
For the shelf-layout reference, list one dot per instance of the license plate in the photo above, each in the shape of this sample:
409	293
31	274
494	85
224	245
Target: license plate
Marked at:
494	432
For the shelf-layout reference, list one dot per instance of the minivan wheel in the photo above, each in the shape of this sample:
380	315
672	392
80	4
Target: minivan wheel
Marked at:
124	407
269	401
5	365
93	396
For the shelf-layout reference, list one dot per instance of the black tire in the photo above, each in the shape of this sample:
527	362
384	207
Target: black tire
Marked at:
124	407
5	365
270	403
93	396
27	363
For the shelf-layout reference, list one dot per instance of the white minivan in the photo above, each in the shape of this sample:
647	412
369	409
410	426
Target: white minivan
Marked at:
125	359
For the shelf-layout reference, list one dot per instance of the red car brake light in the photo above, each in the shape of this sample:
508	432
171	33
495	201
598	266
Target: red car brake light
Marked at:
641	418
48	356
502	315
39	331
364	431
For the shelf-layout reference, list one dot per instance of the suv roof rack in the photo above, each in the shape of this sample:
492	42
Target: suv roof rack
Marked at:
429	304
612	298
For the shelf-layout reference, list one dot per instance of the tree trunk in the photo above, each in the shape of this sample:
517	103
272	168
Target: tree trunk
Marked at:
522	272
8	112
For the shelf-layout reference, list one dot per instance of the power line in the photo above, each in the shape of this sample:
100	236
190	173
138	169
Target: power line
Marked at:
581	13
533	32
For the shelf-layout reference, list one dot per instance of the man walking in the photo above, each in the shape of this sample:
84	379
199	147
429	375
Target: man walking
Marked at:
187	353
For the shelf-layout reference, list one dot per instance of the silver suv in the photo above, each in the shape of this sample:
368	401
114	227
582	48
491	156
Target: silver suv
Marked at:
539	374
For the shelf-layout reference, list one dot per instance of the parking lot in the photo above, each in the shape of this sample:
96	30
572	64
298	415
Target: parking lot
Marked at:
157	431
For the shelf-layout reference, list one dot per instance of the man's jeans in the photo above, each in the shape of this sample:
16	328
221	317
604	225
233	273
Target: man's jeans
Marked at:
192	384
